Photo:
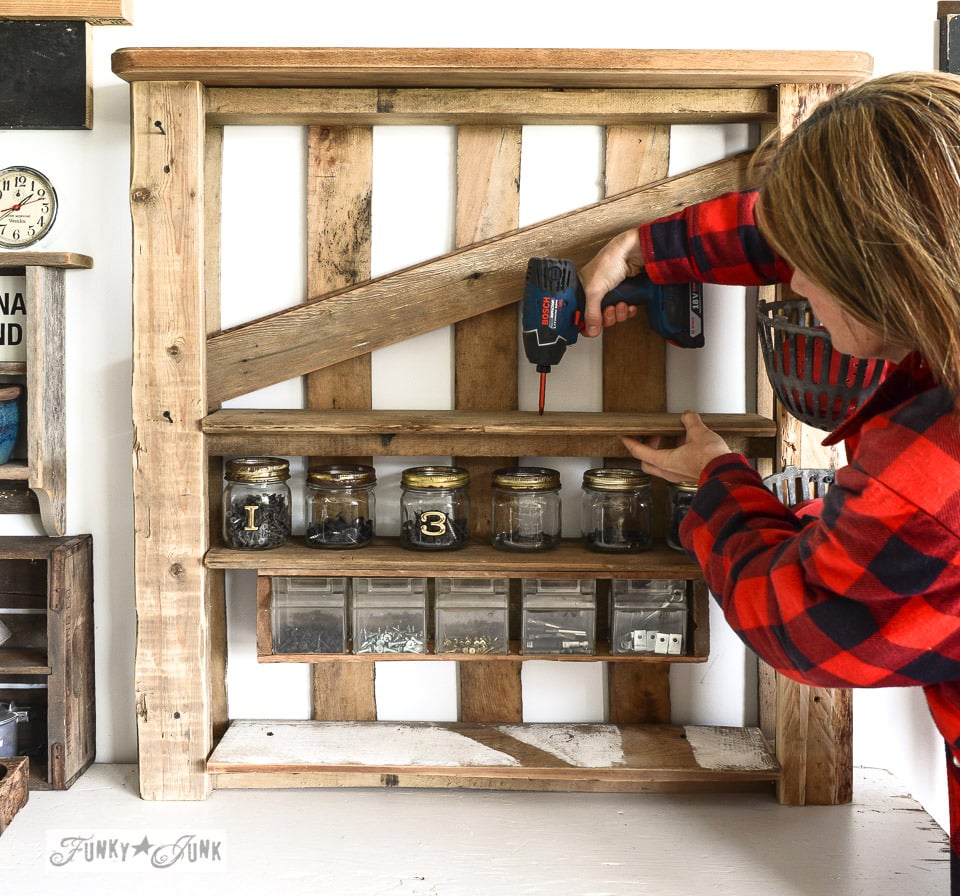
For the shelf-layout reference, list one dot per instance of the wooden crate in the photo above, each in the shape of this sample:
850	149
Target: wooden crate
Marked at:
14	792
47	666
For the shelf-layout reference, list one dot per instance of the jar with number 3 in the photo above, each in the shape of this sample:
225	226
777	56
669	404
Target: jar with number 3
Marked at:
434	508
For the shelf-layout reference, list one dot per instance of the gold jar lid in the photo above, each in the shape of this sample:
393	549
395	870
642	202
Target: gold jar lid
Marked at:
689	487
257	469
342	476
526	478
434	477
608	479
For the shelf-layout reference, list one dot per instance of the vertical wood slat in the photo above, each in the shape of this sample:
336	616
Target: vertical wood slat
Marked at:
339	202
634	379
216	579
814	726
488	203
46	401
173	666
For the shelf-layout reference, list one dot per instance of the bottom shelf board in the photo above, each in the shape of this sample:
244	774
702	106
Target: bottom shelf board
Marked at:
502	756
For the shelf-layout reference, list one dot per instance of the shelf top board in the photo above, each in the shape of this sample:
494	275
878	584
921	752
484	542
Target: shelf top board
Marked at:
487	67
479	423
70	260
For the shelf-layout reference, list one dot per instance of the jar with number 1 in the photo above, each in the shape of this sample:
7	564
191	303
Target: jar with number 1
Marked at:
434	508
256	503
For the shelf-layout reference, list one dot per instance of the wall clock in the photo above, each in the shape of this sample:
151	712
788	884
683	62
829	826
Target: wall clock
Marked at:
28	206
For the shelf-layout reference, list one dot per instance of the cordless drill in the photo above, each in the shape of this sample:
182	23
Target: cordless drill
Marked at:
554	305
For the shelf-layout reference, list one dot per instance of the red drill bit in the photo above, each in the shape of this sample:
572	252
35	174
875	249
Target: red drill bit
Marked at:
543	391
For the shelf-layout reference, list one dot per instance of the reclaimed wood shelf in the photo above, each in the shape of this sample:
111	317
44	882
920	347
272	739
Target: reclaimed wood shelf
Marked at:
523	757
45	468
185	366
411	433
570	559
20	661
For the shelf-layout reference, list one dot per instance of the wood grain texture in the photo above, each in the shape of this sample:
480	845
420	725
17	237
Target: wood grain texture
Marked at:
45	337
96	12
339	204
814	726
610	754
71	706
173	665
44	260
486	67
487	107
14	792
456	286
634	380
485	373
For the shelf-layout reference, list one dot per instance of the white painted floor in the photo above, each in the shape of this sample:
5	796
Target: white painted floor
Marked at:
468	843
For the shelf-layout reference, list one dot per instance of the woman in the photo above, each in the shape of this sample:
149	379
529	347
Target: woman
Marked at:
859	211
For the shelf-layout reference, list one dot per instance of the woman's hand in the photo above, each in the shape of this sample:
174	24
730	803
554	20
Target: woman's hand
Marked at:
684	463
622	257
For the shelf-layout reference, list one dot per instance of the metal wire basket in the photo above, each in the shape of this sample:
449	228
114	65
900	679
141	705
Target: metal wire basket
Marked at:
793	485
817	385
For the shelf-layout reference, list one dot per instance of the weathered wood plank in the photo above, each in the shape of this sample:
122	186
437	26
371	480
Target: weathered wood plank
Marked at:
534	753
486	67
480	561
339	204
468	434
96	12
45	337
485	373
44	260
489	107
814	730
634	380
173	675
453	287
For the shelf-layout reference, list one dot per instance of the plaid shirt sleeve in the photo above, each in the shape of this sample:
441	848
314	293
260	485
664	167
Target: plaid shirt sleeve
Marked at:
716	241
869	594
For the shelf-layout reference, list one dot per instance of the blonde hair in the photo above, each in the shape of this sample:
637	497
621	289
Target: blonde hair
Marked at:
864	198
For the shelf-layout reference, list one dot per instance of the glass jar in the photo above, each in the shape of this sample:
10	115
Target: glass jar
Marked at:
256	503
340	506
526	508
616	510
434	508
681	497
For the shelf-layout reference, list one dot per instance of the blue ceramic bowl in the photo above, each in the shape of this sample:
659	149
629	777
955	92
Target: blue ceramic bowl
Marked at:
9	420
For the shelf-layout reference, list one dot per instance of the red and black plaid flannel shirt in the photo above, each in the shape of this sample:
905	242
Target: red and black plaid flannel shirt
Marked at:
868	595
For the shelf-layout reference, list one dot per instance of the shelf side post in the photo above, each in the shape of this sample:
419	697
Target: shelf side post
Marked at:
174	678
813	726
46	397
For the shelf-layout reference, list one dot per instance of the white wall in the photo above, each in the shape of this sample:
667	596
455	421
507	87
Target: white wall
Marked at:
412	221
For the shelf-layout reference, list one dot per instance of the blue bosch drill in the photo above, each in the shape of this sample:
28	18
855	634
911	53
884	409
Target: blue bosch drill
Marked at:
554	305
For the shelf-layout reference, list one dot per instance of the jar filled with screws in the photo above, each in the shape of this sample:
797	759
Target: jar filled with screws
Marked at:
256	503
616	510
526	509
434	508
681	497
340	506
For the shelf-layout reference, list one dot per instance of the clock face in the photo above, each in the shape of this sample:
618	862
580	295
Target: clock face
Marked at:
28	206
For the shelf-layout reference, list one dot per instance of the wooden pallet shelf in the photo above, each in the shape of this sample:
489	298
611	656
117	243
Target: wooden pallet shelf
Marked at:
545	756
186	366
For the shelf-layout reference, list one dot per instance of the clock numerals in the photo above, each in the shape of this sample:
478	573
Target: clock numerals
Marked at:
28	206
